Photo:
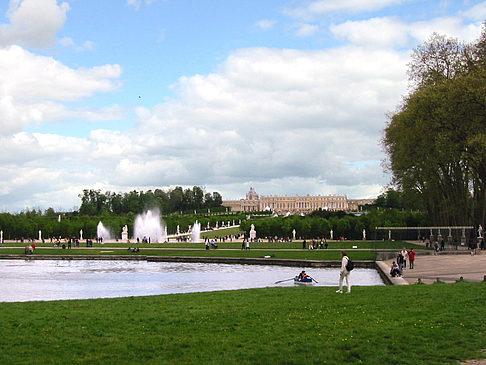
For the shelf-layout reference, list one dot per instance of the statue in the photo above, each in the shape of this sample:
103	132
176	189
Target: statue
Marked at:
178	232
125	233
364	234
252	232
332	233
480	231
80	234
293	234
40	235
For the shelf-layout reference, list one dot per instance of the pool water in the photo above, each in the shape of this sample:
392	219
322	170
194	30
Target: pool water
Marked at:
33	280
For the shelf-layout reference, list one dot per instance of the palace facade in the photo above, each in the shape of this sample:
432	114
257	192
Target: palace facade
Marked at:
294	204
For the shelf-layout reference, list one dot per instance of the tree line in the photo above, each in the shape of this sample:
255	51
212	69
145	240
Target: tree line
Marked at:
94	202
27	224
436	141
319	224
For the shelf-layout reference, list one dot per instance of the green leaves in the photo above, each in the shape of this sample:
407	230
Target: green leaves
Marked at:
436	141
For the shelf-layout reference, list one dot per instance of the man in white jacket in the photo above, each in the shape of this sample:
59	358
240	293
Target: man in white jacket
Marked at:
405	257
344	273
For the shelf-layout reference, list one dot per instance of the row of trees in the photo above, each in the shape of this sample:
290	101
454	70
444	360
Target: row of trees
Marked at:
94	202
27	226
320	223
436	141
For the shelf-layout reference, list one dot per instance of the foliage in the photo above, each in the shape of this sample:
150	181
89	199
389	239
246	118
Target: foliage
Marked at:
17	226
94	202
320	223
399	200
289	325
436	141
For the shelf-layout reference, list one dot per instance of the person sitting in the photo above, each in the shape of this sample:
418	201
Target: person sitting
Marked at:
395	270
303	275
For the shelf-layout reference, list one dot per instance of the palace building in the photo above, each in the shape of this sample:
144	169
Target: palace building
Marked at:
294	204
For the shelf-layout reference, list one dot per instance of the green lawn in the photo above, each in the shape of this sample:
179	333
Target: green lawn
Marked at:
279	254
376	245
221	232
417	324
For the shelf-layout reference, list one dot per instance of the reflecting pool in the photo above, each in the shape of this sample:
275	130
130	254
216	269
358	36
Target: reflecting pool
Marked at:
32	280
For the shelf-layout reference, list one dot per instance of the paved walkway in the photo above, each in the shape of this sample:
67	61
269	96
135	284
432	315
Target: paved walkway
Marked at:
446	267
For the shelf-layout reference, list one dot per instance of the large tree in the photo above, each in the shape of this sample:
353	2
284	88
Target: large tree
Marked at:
436	141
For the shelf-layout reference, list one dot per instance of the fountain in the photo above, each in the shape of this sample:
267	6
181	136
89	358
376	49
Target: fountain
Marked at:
196	232
103	232
149	225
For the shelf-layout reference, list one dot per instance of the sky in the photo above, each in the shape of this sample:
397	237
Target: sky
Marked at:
289	97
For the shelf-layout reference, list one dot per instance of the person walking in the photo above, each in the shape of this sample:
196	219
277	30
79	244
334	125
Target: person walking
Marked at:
411	258
400	260
344	273
405	257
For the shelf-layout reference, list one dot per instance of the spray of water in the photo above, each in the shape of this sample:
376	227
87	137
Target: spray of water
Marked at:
149	225
103	232
196	232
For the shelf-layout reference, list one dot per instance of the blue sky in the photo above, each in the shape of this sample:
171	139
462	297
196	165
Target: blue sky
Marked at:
289	97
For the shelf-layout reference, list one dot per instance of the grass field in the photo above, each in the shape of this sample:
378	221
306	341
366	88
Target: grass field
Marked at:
417	324
227	249
375	245
279	254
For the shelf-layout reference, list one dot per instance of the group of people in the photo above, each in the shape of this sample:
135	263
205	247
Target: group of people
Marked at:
211	242
245	245
314	245
401	263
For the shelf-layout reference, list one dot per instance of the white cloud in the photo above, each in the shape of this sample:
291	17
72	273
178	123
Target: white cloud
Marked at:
450	26
269	113
66	42
33	87
306	30
318	7
298	121
137	3
392	32
69	42
265	24
375	32
33	23
477	12
87	46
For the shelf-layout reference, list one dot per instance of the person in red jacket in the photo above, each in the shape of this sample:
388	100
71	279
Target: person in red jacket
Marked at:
411	258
